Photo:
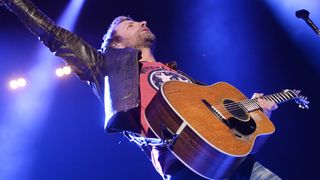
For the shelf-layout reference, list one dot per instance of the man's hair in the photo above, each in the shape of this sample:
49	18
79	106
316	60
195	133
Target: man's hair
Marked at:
111	35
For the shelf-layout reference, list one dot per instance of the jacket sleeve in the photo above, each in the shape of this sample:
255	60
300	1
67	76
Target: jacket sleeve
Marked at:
77	53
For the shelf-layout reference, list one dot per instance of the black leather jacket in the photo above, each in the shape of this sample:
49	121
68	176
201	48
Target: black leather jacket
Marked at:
119	68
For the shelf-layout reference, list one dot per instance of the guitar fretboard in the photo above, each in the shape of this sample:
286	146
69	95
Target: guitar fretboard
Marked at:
280	97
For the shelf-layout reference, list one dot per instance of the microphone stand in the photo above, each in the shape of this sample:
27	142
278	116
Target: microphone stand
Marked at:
304	14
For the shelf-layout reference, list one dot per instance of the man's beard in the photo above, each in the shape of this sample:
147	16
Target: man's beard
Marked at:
145	39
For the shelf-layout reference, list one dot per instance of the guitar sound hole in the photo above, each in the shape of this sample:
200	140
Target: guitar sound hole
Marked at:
240	121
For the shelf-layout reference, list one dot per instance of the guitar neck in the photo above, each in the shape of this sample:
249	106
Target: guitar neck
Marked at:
278	98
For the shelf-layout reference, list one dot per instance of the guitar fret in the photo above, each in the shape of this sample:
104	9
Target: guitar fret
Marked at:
268	98
250	105
290	94
276	98
257	106
243	103
243	106
284	97
273	99
288	97
281	98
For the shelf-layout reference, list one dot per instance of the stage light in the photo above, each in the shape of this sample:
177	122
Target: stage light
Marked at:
59	72
13	84
22	82
67	70
17	83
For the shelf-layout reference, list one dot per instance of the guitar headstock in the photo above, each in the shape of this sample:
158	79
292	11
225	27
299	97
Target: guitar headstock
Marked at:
299	99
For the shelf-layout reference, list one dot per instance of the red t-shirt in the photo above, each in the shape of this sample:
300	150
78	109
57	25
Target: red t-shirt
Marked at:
152	76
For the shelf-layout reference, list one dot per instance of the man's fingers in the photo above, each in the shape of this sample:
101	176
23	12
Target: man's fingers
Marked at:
267	106
257	95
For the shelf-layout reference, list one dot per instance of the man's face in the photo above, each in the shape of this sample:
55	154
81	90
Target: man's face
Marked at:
135	34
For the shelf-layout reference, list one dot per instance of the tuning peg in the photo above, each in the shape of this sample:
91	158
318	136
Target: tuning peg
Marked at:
305	98
302	107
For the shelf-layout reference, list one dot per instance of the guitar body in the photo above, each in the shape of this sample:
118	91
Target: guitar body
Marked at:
205	142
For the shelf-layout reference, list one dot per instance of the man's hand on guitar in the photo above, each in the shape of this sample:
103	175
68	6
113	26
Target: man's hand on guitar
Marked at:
266	106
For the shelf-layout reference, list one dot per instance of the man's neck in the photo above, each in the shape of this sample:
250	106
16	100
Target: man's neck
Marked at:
147	55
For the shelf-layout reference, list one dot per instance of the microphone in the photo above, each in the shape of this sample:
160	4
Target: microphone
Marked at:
304	14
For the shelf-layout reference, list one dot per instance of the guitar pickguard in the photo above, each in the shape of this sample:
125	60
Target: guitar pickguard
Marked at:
240	120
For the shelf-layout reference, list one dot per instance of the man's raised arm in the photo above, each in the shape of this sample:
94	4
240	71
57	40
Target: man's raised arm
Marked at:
77	53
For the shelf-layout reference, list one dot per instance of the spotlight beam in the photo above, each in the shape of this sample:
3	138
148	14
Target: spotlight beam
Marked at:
26	114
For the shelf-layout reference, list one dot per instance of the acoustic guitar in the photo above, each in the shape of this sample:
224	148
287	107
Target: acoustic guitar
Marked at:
212	128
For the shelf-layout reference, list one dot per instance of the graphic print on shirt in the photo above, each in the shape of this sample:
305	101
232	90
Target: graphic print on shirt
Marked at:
159	76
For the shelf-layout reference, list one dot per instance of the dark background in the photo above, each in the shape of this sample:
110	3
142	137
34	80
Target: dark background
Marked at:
244	43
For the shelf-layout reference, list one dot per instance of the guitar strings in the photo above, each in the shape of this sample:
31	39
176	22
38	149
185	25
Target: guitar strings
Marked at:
252	104
231	107
236	105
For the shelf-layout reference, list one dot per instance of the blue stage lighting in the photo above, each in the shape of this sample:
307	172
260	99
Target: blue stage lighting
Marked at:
25	116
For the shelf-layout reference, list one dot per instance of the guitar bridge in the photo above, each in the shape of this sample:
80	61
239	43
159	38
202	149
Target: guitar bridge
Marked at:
216	113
